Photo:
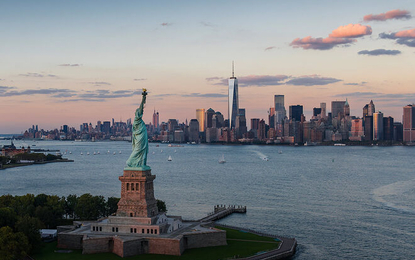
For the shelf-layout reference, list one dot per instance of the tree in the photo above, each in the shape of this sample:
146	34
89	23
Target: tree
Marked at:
13	245
112	205
24	205
70	204
40	200
90	207
30	226
161	206
7	217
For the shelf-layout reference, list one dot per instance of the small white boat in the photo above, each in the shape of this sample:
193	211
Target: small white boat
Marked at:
169	159
82	153
161	151
87	153
154	152
98	152
108	151
114	153
120	152
95	153
70	152
222	159
265	159
175	151
280	152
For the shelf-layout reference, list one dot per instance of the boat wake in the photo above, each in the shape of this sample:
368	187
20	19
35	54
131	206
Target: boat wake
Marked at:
398	196
262	156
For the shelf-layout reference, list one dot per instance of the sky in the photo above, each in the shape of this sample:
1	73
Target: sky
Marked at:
74	62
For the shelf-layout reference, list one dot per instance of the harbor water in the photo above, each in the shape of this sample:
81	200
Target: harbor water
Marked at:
338	202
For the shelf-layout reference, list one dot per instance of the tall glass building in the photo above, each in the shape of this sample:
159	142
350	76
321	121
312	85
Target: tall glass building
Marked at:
233	100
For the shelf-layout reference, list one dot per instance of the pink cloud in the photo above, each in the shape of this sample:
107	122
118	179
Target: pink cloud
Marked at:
319	43
351	31
406	34
394	14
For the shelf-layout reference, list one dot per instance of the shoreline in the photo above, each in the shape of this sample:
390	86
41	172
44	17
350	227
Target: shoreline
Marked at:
33	163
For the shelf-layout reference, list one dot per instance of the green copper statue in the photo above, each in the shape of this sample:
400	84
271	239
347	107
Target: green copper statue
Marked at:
138	157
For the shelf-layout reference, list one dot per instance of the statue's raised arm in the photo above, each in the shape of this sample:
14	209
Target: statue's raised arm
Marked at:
138	157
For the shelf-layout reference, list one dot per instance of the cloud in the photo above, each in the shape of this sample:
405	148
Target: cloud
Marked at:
262	80
99	83
48	91
142	79
351	31
266	80
379	52
38	75
328	43
206	95
311	80
406	37
269	48
206	24
355	84
70	65
342	36
166	24
394	14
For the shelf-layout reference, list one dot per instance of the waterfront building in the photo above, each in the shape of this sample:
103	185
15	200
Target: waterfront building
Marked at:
240	126
368	122
271	117
220	122
357	130
106	127
172	125
233	100
388	128
409	123
194	131
295	112
397	131
200	116
378	126
255	126
261	130
337	108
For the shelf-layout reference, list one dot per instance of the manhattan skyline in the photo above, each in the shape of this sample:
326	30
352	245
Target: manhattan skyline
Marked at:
76	62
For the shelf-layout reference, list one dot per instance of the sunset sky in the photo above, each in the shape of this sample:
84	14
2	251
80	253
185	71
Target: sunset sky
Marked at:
70	62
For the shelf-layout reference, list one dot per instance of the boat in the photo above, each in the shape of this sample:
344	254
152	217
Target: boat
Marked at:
175	151
70	152
120	152
95	153
280	152
108	151
98	152
87	153
222	159
154	153
265	159
175	145
114	153
161	151
169	159
339	144
82	153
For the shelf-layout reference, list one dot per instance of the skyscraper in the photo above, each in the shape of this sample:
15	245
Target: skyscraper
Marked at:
209	117
233	99
346	109
323	110
337	107
156	120
200	116
371	108
296	112
378	126
409	123
279	108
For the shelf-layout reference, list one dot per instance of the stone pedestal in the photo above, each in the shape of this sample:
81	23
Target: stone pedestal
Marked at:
137	194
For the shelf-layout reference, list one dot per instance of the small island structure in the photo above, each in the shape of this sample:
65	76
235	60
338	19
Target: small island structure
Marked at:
138	227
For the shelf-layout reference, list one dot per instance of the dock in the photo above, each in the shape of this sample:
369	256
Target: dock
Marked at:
221	211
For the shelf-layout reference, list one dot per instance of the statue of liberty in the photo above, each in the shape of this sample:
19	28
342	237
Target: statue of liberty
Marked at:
138	157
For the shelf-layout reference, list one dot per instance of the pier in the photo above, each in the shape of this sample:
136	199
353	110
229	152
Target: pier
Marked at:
221	211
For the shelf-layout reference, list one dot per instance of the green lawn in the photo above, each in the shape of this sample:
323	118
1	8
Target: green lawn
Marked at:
239	248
